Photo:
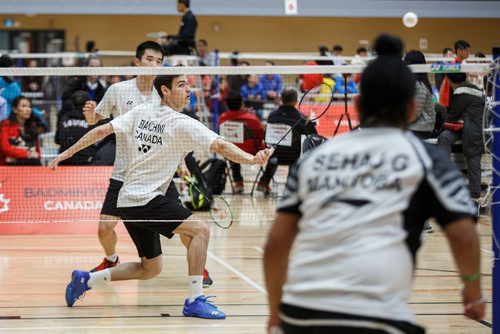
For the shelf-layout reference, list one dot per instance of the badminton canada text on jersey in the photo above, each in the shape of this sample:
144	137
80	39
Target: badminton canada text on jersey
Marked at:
146	132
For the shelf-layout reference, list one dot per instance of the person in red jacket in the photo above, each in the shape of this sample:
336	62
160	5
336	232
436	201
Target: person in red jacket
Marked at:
19	136
462	51
253	134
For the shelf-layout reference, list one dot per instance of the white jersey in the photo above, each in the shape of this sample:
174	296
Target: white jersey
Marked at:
119	99
363	199
159	138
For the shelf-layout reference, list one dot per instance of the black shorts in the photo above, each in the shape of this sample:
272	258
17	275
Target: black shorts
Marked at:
146	234
110	201
299	320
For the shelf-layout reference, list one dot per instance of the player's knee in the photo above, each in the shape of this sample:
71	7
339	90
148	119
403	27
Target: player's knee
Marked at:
203	230
106	228
151	270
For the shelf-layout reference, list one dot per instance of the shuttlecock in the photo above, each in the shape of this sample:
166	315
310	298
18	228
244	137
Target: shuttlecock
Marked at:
410	19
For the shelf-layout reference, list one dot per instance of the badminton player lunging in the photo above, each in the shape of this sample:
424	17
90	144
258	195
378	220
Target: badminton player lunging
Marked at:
159	137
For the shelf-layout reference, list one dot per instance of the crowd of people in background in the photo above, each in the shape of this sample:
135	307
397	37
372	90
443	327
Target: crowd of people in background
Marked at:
434	97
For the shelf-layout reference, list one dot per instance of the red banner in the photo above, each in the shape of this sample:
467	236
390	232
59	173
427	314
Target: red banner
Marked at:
37	200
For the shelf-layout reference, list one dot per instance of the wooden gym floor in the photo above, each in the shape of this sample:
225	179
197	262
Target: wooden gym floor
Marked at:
34	271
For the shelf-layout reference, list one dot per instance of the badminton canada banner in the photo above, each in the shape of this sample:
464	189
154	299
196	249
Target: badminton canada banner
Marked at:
34	198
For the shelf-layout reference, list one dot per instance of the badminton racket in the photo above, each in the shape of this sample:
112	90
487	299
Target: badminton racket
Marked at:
312	106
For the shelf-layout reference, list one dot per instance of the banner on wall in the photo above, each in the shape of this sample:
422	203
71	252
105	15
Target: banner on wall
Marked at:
42	201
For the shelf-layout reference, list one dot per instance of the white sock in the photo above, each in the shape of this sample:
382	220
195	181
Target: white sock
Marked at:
112	258
195	287
99	276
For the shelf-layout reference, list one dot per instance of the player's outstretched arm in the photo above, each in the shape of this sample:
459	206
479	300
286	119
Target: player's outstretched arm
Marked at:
89	112
464	244
234	153
90	138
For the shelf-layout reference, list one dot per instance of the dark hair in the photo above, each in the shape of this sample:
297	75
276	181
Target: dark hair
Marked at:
90	46
234	101
203	41
185	2
456	78
417	57
164	80
361	49
30	127
387	85
141	49
79	98
289	96
6	61
445	50
461	45
270	62
338	47
480	55
322	49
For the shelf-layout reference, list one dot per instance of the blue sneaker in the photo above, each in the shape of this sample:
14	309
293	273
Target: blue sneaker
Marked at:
201	308
77	287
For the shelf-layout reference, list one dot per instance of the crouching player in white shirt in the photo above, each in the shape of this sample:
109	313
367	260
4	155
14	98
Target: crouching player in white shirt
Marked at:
159	137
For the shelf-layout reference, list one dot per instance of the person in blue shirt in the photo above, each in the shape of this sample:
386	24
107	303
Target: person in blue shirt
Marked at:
272	83
10	89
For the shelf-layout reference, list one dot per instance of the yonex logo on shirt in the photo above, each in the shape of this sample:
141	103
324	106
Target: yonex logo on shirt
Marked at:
144	148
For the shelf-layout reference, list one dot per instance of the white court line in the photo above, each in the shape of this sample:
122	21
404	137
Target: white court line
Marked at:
238	273
126	327
258	249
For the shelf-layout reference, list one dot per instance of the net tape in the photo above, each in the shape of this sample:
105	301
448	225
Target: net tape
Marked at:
227	70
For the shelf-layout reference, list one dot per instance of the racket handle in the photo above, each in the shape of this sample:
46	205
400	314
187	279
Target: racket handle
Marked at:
255	167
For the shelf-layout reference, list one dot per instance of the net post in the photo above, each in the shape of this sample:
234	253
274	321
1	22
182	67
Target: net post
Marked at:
216	95
495	209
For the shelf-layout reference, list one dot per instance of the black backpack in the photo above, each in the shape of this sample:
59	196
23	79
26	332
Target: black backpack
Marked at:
215	174
199	202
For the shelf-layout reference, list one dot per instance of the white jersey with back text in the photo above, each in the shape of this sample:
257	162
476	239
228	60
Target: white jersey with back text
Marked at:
159	138
363	199
119	99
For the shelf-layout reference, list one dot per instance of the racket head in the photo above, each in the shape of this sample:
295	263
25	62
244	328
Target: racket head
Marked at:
221	213
316	101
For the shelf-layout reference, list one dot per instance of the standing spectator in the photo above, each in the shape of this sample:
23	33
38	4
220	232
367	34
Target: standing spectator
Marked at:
355	238
307	81
253	134
90	83
184	42
206	58
32	84
359	59
466	115
272	83
19	143
71	126
439	77
235	82
462	51
337	55
324	52
289	115
425	118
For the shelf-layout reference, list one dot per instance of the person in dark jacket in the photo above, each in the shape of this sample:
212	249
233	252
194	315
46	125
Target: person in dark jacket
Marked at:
89	84
184	42
467	107
285	155
71	126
